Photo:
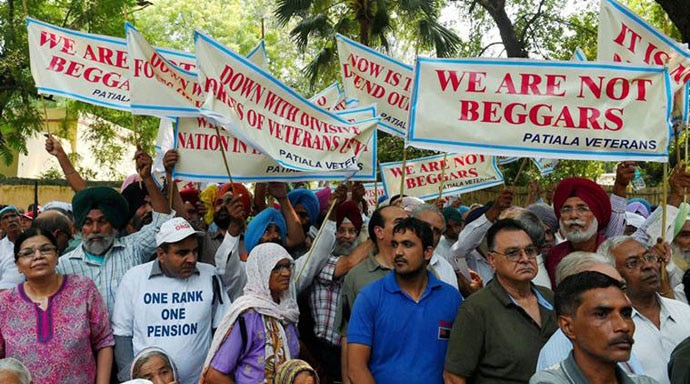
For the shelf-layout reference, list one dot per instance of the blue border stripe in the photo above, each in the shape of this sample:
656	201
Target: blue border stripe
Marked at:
373	52
268	77
86	99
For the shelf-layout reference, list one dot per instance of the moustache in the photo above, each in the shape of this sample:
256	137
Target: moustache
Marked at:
622	339
96	236
574	222
399	259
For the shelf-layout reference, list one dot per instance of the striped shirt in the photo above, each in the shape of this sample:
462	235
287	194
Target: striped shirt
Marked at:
126	252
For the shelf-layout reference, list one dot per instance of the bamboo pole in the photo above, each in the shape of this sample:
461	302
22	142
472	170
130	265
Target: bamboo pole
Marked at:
404	171
225	162
443	175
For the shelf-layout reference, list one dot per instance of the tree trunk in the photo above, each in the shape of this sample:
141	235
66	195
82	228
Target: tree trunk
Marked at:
677	11
496	9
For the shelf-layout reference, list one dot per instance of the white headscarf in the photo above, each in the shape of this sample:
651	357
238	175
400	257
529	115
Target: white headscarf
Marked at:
257	295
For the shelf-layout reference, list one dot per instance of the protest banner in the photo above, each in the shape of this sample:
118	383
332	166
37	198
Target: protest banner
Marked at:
161	87
83	66
372	192
330	98
545	166
503	160
375	78
463	173
550	109
625	37
266	114
200	159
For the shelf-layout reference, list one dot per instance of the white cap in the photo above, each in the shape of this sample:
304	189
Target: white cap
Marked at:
174	230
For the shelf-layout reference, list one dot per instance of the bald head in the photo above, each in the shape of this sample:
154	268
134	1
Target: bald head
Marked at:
58	224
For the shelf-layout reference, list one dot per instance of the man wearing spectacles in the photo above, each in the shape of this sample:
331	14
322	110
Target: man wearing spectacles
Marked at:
11	225
499	331
660	323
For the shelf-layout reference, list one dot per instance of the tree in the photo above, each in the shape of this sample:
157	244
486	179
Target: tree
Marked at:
677	11
371	22
20	110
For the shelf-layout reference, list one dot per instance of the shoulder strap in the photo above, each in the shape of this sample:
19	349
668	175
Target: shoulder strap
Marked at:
243	331
216	290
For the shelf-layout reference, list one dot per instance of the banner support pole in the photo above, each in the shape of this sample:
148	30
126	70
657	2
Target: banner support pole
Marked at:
404	166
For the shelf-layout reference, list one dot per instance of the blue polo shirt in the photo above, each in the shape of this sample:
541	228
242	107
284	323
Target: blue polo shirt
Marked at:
408	339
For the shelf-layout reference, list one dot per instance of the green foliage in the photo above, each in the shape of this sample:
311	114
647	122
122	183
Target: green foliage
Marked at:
371	22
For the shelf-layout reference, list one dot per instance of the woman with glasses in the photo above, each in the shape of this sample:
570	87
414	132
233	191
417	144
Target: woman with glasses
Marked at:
259	331
56	325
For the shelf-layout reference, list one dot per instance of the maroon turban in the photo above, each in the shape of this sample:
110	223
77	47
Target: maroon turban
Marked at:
350	210
590	192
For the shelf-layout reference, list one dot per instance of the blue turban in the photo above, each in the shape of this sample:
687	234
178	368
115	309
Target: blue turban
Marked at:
258	225
463	208
308	200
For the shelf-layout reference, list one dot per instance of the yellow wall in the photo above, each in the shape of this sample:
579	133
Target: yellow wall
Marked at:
23	195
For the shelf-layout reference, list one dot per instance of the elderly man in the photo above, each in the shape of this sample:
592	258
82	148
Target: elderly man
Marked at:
454	223
58	224
172	302
396	317
482	349
559	346
100	213
595	315
587	215
10	224
325	291
467	248
660	323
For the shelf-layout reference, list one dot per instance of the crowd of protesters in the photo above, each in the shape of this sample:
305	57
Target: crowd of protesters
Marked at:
279	284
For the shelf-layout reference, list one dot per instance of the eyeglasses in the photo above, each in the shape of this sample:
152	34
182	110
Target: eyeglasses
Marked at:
281	267
515	254
638	262
45	250
579	209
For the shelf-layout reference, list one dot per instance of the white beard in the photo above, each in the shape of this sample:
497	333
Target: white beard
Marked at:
578	235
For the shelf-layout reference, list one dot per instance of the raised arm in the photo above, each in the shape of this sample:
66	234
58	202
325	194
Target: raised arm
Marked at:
144	162
74	179
295	233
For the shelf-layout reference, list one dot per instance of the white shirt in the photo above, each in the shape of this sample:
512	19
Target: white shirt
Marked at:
679	293
653	346
177	315
466	248
542	277
9	274
443	270
443	248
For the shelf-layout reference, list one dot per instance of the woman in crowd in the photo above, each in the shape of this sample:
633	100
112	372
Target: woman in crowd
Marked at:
56	325
296	371
155	365
259	331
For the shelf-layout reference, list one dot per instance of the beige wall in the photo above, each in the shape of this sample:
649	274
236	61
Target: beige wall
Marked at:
23	195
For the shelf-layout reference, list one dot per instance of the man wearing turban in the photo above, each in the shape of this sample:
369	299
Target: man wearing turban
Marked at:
328	284
587	215
100	213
